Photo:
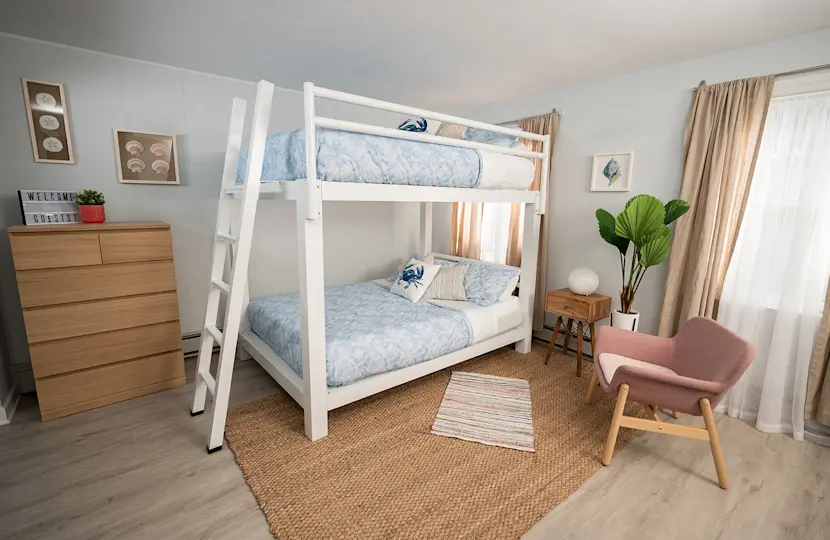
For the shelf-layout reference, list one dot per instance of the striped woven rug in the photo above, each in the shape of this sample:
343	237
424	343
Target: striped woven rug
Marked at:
486	409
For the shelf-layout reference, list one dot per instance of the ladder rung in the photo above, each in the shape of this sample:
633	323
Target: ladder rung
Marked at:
222	286
209	381
226	238
217	335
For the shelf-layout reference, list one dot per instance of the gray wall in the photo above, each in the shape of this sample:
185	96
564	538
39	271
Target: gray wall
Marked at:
104	92
644	112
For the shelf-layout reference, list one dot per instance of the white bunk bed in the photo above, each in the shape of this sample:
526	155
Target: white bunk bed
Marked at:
234	229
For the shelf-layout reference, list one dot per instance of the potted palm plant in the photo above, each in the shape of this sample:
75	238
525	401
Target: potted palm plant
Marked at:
644	223
91	203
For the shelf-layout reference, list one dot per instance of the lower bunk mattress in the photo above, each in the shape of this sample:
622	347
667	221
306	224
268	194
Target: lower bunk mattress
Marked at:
370	330
343	156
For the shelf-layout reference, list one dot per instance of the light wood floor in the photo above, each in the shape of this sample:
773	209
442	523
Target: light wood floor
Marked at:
139	469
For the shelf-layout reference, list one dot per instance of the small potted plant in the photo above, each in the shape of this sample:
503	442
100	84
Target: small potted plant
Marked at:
91	203
643	223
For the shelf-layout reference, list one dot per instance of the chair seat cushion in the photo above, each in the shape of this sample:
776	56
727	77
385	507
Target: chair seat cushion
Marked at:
609	363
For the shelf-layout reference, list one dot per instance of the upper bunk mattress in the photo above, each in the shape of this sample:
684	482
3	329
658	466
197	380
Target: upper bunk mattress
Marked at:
368	331
344	156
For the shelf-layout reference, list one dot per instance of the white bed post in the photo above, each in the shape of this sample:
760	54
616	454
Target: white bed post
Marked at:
312	300
530	251
239	275
425	239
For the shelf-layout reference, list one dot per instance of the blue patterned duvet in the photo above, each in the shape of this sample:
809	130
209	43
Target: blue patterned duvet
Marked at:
368	331
356	157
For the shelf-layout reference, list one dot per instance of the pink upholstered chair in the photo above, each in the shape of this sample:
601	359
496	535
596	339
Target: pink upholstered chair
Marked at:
689	373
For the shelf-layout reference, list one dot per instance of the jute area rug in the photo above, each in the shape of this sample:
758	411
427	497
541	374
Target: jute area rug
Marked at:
381	474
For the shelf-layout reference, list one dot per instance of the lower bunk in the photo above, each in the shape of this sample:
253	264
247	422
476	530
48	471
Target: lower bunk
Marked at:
376	340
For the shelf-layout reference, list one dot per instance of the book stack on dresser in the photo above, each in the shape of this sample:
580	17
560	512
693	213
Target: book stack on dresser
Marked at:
101	312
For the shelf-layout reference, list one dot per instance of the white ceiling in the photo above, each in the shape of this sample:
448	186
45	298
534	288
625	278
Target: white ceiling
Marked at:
432	53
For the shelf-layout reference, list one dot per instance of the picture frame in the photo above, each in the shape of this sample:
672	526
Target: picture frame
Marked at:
146	157
48	115
612	172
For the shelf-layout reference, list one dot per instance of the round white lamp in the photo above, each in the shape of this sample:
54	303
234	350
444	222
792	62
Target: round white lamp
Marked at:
583	281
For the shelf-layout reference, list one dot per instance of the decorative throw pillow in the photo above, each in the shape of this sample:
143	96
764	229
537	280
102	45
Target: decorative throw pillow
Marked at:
484	283
453	131
489	137
412	282
429	259
417	124
511	286
448	284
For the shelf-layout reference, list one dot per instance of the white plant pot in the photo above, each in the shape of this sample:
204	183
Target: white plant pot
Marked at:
626	321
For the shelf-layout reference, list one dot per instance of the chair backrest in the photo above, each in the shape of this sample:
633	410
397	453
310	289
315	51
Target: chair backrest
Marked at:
705	349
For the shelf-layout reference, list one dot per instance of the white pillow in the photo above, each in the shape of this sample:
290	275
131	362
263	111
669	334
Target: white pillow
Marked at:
508	291
448	284
414	279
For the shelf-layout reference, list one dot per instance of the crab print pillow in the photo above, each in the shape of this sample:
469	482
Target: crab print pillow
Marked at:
414	279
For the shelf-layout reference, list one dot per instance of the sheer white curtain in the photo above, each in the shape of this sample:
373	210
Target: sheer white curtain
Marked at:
775	285
495	232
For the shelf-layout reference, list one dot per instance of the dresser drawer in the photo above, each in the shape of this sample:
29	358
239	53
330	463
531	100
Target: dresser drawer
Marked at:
64	285
71	320
65	355
90	388
45	250
130	246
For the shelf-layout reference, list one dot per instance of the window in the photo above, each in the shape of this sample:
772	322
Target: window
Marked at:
495	231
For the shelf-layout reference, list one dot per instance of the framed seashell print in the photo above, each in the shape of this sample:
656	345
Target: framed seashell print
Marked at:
612	172
144	157
48	117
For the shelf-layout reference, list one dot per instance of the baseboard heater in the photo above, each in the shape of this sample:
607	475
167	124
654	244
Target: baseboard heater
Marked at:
191	342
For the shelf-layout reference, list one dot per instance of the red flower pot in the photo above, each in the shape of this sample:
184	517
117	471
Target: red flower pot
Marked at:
92	213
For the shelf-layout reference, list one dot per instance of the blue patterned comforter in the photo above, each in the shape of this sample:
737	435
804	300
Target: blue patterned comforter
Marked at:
368	331
356	157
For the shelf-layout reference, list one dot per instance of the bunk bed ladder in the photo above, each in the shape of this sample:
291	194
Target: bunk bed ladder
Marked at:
236	234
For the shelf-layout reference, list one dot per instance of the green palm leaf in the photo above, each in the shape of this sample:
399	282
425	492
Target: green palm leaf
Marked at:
606	223
642	218
655	251
675	209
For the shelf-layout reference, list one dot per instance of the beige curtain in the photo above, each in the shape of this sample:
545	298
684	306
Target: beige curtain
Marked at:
723	134
817	405
465	230
542	125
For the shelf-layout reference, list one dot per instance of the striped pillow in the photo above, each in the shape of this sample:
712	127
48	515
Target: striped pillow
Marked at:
448	284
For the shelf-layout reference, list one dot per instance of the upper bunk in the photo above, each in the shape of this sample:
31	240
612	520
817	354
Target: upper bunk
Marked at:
365	162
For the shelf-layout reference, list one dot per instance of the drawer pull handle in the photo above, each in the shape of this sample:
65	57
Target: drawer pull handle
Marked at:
566	306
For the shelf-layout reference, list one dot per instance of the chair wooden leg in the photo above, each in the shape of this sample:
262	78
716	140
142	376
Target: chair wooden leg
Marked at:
592	388
655	413
553	339
714	442
567	336
615	425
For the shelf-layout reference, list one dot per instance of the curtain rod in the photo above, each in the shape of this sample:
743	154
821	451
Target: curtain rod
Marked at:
511	122
784	73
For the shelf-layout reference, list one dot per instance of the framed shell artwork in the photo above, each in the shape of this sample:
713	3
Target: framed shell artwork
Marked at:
143	157
48	117
612	172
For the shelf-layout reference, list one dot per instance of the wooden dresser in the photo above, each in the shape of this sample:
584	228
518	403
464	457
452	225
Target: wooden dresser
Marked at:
101	312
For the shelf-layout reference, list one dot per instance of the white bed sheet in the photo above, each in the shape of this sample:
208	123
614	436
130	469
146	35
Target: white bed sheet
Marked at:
503	171
486	321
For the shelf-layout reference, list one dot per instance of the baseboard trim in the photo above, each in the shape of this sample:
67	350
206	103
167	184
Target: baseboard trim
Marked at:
8	408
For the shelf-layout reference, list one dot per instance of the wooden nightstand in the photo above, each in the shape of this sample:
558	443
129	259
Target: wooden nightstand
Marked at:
576	307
